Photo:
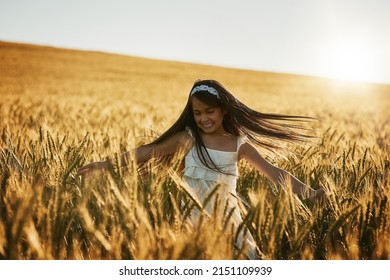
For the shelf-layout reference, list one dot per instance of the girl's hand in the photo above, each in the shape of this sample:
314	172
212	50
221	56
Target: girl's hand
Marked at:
90	167
318	195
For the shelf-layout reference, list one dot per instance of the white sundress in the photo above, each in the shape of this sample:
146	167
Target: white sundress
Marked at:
202	180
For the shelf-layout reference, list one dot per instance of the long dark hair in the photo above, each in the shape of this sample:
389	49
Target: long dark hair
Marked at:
261	129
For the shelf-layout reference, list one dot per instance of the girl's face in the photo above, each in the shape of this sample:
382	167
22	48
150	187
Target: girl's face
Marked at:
208	118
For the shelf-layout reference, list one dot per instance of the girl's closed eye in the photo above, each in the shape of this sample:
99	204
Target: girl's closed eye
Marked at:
209	111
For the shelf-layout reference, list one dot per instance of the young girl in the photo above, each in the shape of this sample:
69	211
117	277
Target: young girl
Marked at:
216	131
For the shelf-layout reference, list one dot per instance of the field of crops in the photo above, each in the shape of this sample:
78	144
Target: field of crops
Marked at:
62	108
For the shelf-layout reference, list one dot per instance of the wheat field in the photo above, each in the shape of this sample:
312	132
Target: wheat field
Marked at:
60	109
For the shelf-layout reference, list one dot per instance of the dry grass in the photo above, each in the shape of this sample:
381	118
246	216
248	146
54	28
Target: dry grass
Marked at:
62	108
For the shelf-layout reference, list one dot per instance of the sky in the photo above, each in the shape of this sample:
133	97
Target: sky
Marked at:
341	39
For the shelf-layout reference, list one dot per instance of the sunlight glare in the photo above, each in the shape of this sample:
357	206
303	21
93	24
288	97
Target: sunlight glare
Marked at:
351	61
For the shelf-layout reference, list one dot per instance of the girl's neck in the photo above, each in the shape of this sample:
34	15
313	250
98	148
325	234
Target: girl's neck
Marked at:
223	141
215	134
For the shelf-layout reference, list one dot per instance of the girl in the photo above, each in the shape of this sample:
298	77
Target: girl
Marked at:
216	131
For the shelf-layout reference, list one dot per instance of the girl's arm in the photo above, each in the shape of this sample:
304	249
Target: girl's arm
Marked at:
144	153
169	146
275	174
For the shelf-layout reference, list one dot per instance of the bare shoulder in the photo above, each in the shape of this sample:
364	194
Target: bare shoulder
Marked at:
183	139
172	144
253	156
246	150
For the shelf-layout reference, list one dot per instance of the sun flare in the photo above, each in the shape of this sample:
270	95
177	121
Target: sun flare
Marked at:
351	61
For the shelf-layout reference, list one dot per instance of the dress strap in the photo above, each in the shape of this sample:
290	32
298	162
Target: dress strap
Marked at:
189	132
241	140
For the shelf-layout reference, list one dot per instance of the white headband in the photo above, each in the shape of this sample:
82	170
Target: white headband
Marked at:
209	89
